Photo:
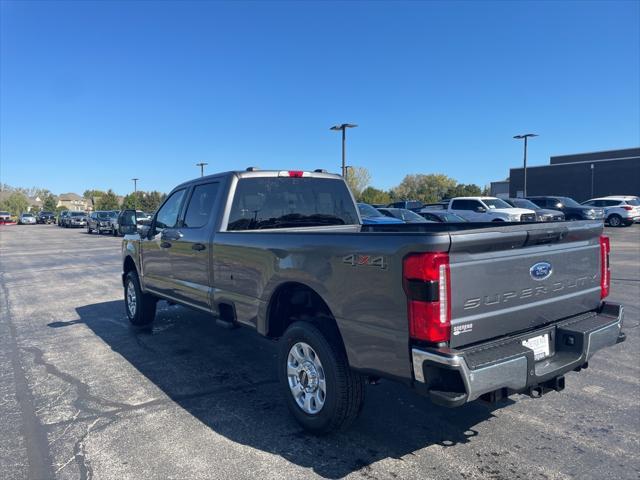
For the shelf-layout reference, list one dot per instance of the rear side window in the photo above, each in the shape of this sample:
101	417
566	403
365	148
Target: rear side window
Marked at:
464	204
200	205
167	216
541	202
286	202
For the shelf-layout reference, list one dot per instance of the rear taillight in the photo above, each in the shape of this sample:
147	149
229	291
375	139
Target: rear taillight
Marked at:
428	289
605	273
627	207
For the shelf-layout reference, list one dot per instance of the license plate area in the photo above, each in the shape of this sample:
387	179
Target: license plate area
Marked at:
541	346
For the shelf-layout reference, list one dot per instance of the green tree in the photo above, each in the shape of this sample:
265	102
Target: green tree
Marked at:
15	203
358	179
107	201
152	200
49	202
426	188
133	200
464	190
89	194
374	195
146	201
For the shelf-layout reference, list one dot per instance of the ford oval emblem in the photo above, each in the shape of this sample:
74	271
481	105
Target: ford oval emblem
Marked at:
541	271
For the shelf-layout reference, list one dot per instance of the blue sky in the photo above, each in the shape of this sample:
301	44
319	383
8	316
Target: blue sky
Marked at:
95	93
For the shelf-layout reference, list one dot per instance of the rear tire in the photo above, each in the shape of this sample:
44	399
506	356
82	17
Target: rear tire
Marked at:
140	307
614	220
340	403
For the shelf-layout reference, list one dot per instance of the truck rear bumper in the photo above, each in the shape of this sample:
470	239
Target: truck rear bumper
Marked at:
454	377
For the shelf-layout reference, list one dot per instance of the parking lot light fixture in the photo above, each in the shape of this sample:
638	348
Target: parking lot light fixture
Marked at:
135	192
201	165
343	128
525	137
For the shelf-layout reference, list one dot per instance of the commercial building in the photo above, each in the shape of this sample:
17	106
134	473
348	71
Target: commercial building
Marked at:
582	176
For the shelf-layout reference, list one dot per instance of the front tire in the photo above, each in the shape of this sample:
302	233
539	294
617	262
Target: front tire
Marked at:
321	390
140	307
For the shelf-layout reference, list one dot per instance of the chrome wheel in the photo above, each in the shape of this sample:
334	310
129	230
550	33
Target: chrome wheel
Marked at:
306	377
132	301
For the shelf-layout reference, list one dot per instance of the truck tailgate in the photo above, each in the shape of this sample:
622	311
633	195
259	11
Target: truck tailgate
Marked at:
511	279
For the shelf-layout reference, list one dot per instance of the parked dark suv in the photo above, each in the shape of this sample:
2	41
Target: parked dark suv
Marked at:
101	221
572	210
46	217
542	214
413	205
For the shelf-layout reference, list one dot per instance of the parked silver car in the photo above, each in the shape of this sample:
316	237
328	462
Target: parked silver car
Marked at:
619	211
27	219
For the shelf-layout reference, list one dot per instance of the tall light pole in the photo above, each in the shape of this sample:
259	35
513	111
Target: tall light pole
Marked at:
135	193
346	172
343	128
201	165
592	181
525	137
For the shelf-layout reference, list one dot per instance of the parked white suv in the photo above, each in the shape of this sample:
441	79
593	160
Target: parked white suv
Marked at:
618	210
489	209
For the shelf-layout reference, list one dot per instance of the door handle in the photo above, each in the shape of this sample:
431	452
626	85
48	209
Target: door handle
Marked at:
172	235
165	245
198	247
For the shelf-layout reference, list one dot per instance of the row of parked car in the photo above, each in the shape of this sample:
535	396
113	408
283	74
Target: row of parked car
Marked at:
105	221
614	210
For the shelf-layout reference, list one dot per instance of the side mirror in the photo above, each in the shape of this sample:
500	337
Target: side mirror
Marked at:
127	222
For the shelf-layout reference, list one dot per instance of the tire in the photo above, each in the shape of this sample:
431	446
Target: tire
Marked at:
143	310
343	396
89	231
614	220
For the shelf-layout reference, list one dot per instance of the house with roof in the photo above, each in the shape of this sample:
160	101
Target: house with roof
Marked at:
73	202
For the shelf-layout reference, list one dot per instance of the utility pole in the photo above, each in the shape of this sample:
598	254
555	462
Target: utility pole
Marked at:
201	165
525	137
135	193
343	128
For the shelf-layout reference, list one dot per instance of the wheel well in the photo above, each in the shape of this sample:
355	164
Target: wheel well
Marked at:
292	302
129	265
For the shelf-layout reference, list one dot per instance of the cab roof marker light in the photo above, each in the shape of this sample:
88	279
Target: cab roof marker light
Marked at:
292	173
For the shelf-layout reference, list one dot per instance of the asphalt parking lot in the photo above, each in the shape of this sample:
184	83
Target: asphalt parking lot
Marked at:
84	395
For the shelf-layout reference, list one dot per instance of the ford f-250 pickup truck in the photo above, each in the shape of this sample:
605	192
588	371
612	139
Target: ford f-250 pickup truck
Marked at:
457	311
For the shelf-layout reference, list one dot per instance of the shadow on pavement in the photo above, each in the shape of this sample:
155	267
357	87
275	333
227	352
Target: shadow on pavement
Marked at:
227	379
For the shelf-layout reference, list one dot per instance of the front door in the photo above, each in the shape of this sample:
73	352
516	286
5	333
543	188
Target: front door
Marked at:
155	258
191	250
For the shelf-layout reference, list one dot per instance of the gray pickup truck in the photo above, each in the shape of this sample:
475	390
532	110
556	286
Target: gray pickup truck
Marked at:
459	312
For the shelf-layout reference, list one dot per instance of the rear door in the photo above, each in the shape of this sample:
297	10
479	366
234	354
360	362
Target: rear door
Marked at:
190	252
513	279
467	209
